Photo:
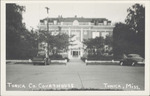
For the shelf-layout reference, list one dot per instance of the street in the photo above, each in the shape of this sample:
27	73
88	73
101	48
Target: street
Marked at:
74	75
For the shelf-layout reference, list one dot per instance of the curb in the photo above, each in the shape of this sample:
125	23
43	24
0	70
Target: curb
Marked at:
19	60
30	61
92	62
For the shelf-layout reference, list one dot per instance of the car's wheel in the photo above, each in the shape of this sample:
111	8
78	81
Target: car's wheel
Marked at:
121	63
48	62
133	63
45	62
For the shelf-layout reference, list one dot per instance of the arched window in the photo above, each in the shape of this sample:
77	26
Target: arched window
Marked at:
75	22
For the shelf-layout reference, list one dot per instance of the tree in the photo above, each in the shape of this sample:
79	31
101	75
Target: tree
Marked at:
20	43
62	42
13	27
123	40
95	46
136	20
109	40
55	42
130	37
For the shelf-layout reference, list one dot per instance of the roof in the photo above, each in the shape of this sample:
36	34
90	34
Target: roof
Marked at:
80	19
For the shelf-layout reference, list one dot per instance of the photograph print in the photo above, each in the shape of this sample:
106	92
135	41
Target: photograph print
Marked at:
75	46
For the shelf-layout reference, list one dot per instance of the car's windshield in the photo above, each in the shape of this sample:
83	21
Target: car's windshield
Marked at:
133	55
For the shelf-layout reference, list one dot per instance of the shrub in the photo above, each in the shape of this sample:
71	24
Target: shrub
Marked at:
83	59
56	57
99	57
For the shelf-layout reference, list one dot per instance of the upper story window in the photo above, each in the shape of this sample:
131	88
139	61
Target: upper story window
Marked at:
92	23
109	23
66	23
85	32
100	24
84	23
55	22
95	22
95	34
105	22
42	23
65	31
45	21
55	33
50	23
104	34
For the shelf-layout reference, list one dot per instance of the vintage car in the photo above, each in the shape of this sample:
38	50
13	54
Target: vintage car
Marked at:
41	58
132	59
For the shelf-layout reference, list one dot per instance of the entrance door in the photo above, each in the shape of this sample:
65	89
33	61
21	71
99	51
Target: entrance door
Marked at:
75	53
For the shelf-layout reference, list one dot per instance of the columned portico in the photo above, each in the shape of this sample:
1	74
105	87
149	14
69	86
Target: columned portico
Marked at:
75	50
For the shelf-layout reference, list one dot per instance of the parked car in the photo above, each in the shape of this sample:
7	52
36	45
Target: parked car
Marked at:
131	59
41	59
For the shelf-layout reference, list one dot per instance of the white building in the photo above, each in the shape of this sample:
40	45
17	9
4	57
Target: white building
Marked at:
82	28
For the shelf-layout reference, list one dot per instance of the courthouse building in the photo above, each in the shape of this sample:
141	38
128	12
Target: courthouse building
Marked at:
82	28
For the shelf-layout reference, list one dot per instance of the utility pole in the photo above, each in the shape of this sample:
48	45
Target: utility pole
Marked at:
47	49
47	19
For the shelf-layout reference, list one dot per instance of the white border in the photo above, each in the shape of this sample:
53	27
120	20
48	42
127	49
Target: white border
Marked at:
85	93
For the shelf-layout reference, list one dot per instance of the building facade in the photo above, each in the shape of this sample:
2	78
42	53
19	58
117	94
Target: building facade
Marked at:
81	28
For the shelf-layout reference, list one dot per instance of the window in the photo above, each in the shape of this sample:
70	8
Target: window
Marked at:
95	34
65	31
55	22
45	21
55	33
75	22
100	24
84	23
85	32
104	34
76	34
66	23
105	22
109	23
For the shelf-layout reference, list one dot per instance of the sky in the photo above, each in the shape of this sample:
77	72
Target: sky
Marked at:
115	12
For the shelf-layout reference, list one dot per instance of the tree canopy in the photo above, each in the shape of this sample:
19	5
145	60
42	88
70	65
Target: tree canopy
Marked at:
129	37
55	42
136	18
95	46
20	43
